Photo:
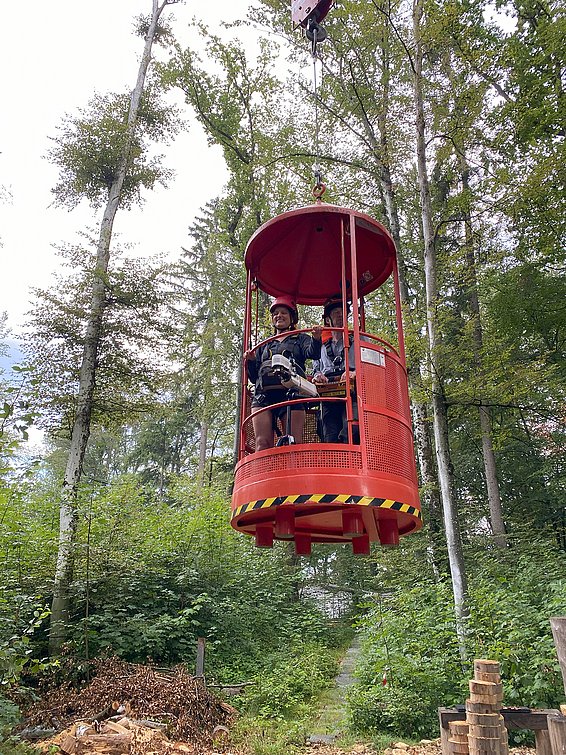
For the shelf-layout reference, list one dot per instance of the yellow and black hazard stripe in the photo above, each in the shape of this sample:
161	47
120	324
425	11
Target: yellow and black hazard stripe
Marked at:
359	500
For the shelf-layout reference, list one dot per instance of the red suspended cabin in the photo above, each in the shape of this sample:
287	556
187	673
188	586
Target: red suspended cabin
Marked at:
316	492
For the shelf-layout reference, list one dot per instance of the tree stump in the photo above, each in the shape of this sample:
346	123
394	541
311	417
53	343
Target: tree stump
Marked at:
458	740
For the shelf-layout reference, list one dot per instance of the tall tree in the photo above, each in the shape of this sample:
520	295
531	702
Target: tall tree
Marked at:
441	437
119	184
211	285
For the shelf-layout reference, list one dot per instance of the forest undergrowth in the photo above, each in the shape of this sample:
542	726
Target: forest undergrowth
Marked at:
265	629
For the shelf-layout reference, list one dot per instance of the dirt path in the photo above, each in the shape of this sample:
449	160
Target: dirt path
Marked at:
331	721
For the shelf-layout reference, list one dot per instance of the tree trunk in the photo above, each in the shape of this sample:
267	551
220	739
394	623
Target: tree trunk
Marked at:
68	519
490	465
380	148
440	417
202	450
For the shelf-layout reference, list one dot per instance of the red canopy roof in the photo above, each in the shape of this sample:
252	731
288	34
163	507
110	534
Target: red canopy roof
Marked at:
299	253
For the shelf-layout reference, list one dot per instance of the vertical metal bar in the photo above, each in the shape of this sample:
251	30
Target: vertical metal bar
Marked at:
256	331
398	312
356	324
244	371
345	328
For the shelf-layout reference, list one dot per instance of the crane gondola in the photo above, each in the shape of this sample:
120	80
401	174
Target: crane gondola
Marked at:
365	489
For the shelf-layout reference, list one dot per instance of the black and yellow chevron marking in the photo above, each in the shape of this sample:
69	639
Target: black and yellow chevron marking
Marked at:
359	500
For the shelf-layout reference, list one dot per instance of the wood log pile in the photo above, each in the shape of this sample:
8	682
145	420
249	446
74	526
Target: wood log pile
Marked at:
122	737
135	710
483	732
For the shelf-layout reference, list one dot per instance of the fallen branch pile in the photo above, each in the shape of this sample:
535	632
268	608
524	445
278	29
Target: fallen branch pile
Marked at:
148	697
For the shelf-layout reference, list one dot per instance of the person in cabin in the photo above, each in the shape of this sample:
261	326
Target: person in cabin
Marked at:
331	367
268	389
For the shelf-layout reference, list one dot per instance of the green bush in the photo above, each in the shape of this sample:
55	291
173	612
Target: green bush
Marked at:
411	645
291	679
410	638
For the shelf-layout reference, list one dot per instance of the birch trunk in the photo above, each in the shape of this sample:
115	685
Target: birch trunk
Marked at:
380	148
68	515
440	418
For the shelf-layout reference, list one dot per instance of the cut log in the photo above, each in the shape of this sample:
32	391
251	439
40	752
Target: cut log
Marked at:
69	745
485	731
458	728
484	744
484	719
33	733
504	738
483	676
146	723
483	666
115	727
557	733
457	747
494	701
106	744
485	688
542	742
481	706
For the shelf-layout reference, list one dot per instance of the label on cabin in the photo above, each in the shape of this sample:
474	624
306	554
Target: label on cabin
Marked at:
373	357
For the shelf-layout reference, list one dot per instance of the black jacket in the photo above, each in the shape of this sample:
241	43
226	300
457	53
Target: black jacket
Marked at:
299	346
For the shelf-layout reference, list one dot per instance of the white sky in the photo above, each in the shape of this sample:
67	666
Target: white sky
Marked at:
53	57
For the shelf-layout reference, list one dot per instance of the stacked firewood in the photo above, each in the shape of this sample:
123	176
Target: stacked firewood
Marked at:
483	732
123	737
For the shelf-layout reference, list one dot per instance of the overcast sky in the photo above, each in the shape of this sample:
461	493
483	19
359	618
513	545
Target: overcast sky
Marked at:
53	57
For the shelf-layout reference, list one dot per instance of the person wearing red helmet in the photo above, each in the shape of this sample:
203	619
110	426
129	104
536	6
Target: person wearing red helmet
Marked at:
268	389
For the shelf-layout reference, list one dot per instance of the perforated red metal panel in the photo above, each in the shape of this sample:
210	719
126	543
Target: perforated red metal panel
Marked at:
397	397
389	445
262	466
372	385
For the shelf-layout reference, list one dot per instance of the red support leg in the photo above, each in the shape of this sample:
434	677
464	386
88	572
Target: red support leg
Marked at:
303	545
284	523
388	531
360	545
264	535
352	523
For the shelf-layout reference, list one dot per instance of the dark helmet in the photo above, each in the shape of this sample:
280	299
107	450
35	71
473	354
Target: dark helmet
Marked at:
332	303
290	304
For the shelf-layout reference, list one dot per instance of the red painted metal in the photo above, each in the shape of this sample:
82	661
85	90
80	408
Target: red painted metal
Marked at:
324	492
360	546
264	535
301	10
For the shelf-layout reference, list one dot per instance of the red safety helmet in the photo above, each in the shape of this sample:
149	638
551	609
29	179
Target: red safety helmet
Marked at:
286	301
